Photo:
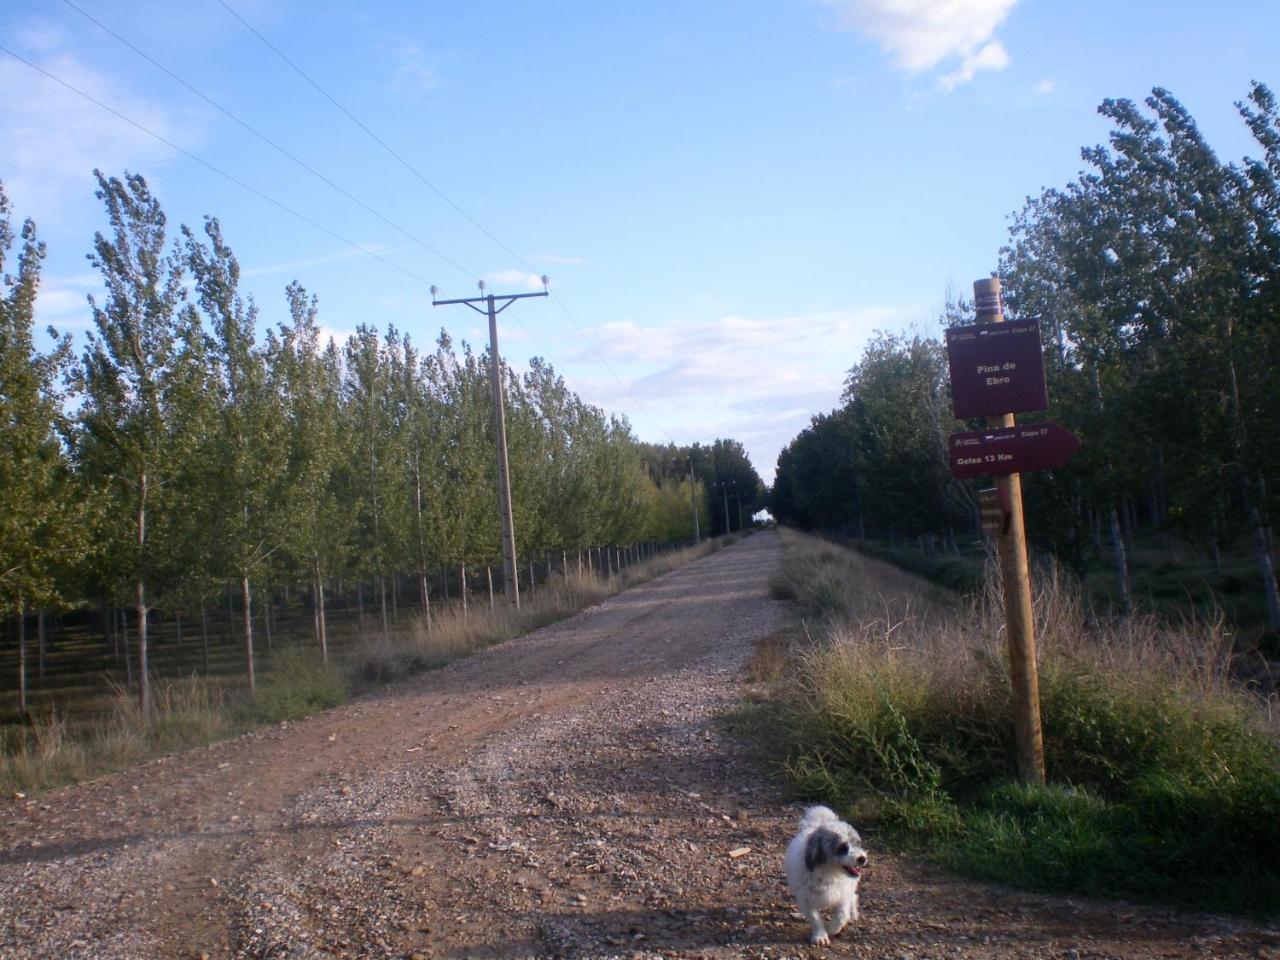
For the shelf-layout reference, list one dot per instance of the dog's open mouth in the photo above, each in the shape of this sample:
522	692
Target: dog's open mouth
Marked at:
852	871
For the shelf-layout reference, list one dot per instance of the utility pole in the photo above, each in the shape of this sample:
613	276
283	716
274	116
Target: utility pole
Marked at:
693	502
510	582
1015	576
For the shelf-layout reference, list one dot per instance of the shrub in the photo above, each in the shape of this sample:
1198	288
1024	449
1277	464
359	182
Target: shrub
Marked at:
1160	768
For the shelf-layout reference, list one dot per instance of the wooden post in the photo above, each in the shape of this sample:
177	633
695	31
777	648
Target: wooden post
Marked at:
1015	578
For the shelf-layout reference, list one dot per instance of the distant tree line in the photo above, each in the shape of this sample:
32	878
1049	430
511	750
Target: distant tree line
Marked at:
1155	276
182	452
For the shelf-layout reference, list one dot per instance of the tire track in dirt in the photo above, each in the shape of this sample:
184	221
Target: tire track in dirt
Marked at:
565	794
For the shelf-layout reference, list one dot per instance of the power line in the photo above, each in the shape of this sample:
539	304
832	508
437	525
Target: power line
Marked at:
269	142
382	143
440	193
220	172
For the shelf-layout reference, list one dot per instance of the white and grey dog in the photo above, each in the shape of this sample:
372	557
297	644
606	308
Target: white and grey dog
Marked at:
824	863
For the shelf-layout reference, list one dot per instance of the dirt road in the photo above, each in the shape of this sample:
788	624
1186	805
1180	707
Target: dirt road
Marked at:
567	794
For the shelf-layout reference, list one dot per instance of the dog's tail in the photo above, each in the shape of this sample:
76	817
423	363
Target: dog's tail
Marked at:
817	816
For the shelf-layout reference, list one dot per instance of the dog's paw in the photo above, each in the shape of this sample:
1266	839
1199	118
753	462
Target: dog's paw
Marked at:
819	938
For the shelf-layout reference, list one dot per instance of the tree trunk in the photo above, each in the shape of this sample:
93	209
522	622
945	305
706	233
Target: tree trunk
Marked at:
382	602
144	682
1261	538
489	572
22	657
462	586
108	612
204	635
247	618
317	601
266	618
1121	561
425	587
40	644
124	644
177	639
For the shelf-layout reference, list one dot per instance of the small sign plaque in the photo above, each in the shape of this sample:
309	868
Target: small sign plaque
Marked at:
995	510
996	368
1005	450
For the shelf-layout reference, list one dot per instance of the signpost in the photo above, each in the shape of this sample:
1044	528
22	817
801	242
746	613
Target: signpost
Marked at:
1006	450
997	370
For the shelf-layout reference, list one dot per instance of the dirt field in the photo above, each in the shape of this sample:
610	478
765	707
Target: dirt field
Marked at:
567	794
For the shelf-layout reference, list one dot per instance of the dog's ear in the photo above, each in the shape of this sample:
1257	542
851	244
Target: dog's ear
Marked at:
815	850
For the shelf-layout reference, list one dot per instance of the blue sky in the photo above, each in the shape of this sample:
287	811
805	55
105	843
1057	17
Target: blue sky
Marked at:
729	196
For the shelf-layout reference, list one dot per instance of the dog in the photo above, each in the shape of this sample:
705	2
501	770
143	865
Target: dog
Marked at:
824	863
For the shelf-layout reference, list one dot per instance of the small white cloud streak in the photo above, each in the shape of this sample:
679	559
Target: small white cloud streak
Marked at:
758	380
920	35
1045	87
514	278
62	302
413	77
54	137
289	266
991	57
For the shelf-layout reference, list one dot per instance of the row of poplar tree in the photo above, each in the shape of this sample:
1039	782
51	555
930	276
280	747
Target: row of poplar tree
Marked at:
181	451
1155	276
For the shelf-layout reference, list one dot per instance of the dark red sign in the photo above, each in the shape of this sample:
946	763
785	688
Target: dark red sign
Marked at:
996	368
1005	450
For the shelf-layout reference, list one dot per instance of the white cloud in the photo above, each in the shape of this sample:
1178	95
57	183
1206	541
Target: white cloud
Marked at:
54	137
413	76
757	379
62	302
920	35
1044	87
514	278
291	266
990	57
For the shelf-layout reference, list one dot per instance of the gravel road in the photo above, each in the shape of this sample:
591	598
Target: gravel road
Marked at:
566	794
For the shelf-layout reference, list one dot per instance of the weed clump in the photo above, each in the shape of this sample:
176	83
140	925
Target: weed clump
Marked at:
1160	769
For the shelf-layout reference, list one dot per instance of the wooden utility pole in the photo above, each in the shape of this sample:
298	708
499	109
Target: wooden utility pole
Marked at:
1015	578
511	583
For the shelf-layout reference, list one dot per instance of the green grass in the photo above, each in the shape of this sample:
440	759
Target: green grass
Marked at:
1164	779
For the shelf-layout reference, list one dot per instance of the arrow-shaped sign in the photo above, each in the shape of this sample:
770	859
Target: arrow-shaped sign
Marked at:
1005	450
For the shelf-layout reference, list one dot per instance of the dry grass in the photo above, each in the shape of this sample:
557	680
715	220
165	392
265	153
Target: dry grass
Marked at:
897	703
295	682
52	751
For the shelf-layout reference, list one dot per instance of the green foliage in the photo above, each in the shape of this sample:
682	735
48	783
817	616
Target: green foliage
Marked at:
1155	278
200	455
1158	773
40	514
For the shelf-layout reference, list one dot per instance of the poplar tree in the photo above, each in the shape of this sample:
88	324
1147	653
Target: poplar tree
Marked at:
126	372
39	522
311	522
251	455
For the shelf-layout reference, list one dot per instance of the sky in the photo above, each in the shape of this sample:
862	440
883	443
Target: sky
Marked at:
730	198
